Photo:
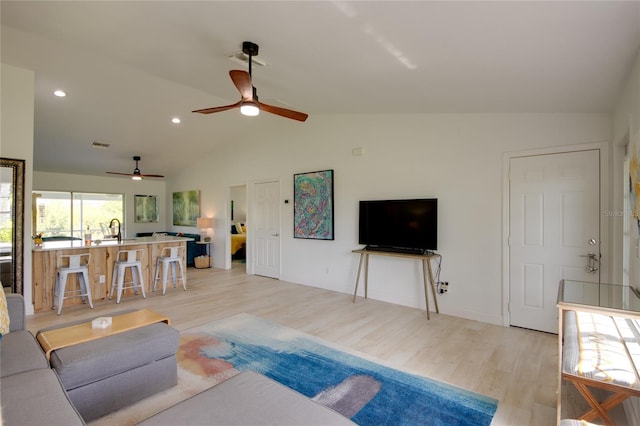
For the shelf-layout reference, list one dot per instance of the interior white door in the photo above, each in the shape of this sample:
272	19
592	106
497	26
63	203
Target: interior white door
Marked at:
266	229
554	211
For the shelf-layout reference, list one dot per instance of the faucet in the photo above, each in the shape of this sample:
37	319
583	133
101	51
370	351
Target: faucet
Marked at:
111	227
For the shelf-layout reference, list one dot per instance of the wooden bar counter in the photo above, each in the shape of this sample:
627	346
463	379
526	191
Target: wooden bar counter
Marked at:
102	259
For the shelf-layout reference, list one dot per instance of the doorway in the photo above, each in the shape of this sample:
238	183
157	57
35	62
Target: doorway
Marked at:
553	231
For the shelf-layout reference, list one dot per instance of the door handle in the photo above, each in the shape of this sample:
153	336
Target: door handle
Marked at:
592	262
275	235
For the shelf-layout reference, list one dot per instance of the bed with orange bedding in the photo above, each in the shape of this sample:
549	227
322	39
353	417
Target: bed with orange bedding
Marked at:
238	241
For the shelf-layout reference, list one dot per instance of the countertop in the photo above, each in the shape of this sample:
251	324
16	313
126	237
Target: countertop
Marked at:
78	244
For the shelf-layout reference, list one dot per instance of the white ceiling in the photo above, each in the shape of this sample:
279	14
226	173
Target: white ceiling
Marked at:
128	67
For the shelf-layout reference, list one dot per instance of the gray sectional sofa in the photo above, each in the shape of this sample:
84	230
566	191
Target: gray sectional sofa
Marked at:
32	393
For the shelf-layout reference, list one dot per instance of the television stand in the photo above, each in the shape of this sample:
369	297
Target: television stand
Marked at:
427	272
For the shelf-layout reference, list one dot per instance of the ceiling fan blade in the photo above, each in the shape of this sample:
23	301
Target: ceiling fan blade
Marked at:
288	113
154	176
242	80
123	174
218	109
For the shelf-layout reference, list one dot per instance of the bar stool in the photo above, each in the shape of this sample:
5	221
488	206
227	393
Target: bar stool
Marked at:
127	259
72	264
170	256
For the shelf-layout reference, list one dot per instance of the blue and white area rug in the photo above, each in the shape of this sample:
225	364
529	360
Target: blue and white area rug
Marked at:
365	391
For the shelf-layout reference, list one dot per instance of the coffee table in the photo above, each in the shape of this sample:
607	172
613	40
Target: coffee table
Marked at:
75	334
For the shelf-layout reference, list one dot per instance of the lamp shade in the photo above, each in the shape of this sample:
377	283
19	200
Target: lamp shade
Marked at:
204	222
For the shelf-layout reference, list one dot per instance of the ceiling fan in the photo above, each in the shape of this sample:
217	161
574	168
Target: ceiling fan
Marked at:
136	175
249	104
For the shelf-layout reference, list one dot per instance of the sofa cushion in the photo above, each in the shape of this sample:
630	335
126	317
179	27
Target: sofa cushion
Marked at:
248	398
20	352
4	314
106	396
15	303
89	362
36	398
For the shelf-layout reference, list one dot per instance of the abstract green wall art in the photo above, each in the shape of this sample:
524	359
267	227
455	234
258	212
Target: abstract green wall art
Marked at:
186	208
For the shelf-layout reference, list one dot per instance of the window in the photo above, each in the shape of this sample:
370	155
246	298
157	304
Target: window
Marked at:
6	216
67	215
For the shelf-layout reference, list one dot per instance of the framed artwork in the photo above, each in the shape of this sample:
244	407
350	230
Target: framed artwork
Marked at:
146	208
186	207
313	205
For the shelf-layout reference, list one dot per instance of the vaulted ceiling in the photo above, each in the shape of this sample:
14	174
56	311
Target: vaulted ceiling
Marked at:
128	67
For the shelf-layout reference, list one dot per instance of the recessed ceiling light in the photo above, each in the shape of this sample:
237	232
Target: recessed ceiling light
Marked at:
60	93
175	120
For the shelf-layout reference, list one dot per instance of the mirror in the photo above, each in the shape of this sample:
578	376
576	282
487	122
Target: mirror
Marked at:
11	224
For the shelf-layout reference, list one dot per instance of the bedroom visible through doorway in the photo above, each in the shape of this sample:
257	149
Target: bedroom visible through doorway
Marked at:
238	223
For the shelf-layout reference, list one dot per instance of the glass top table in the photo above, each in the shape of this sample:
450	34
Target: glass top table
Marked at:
599	297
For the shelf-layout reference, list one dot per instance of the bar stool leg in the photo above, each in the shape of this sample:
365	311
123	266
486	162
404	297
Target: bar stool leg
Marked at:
61	289
155	276
173	273
84	277
165	271
134	279
113	281
56	291
139	279
184	284
120	283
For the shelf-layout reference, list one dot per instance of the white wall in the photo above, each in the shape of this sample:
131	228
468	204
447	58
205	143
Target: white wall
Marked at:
43	181
454	157
16	141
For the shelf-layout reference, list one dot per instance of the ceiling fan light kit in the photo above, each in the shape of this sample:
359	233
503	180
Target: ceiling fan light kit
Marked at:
249	109
249	104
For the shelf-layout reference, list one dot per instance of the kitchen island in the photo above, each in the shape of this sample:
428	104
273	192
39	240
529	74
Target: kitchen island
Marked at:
103	254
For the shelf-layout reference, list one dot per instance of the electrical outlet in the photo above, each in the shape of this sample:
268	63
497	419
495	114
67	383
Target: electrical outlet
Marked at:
102	279
442	286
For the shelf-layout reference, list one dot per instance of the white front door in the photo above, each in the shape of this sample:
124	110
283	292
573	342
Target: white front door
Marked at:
266	229
554	226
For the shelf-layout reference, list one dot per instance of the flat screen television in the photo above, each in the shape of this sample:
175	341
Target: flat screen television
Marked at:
399	225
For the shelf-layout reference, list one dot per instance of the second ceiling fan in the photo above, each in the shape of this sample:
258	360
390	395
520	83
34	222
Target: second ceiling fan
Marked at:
249	104
136	175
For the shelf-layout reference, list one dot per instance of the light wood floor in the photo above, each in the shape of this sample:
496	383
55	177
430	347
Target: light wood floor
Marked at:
515	366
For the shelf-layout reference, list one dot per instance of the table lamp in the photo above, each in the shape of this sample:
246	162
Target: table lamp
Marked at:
204	223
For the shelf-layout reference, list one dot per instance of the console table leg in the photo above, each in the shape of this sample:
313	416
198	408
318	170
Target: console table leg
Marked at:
433	285
358	278
366	275
426	290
